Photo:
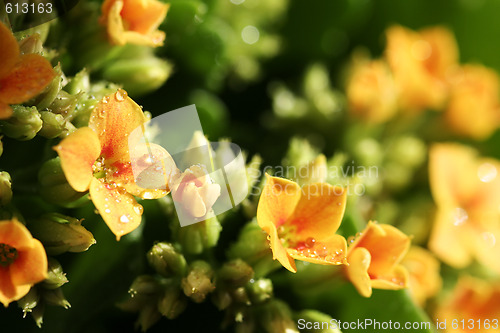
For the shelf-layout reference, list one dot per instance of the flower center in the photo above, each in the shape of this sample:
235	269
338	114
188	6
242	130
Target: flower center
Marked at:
98	168
8	254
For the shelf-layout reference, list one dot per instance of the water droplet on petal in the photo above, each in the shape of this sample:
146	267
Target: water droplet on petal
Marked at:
310	242
487	172
138	209
107	211
124	219
489	238
120	95
460	216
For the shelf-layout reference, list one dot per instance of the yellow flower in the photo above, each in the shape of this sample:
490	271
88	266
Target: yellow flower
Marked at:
301	223
371	91
134	21
474	301
22	76
474	109
421	62
23	261
423	267
97	158
466	190
374	259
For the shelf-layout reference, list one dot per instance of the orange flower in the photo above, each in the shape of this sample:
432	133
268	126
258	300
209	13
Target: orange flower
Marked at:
134	21
371	91
474	306
466	190
474	107
421	62
22	76
374	259
23	261
423	268
97	158
301	223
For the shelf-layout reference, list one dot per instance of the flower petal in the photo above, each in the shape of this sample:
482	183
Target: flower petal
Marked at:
279	251
27	79
277	201
319	212
8	291
387	246
30	266
398	279
331	252
119	209
357	271
113	119
15	234
10	50
78	153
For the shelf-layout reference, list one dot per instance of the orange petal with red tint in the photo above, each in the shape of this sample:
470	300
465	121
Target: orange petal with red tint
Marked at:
27	79
386	244
119	209
357	271
277	201
113	119
319	212
30	266
331	252
78	153
144	16
10	50
15	234
8	291
5	111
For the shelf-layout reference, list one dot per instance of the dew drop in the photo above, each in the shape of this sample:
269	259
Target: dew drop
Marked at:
138	209
350	239
310	242
105	100
124	219
460	216
107	211
487	172
120	95
147	195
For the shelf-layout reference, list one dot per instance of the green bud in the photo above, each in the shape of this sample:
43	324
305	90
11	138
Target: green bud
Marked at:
5	188
300	152
369	152
200	236
148	316
172	303
316	171
31	44
252	244
60	233
260	290
64	104
397	176
240	295
199	281
54	187
41	30
24	123
29	301
53	124
221	298
55	297
51	92
234	274
79	83
317	317
276	317
145	286
408	151
37	314
55	275
138	75
166	260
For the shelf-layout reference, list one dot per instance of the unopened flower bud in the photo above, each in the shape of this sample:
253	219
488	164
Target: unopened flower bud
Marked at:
300	152
29	301
54	187
5	188
60	234
64	104
50	93
276	317
79	83
138	75
318	317
199	281
197	237
315	171
37	314
148	316
145	285
221	298
235	273
31	44
55	275
55	297
408	151
172	303
166	260
260	290
24	123
53	124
